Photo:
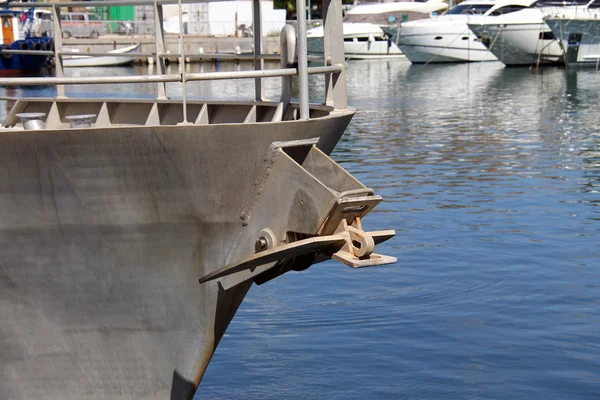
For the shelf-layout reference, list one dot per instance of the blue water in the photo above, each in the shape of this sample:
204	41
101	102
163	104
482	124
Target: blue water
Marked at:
491	179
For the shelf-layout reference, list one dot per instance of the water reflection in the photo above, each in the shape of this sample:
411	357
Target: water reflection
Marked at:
488	175
491	178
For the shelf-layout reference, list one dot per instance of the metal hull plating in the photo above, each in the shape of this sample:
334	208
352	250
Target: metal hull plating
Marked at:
104	234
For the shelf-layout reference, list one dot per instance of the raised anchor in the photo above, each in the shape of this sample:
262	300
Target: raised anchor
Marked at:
316	217
357	251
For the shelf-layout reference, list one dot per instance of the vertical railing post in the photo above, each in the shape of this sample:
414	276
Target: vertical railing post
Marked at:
335	84
302	58
57	33
259	63
182	61
159	37
288	58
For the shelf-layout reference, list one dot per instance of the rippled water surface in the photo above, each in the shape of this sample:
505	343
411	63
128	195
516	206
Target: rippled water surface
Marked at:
491	178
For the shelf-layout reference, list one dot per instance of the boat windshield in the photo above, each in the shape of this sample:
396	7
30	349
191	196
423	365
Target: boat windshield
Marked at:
469	9
507	9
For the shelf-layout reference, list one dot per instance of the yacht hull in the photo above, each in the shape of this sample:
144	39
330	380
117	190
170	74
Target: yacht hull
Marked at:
580	39
367	50
520	44
443	47
104	233
430	54
360	48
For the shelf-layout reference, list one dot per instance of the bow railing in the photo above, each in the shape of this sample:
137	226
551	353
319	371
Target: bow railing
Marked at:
333	57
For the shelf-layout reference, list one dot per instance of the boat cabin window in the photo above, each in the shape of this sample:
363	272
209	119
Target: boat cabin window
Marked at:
469	9
507	9
365	39
547	36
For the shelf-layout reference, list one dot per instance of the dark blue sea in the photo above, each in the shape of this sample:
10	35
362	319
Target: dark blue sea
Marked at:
491	179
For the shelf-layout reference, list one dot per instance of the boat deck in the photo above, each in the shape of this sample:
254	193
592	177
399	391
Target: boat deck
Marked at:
152	112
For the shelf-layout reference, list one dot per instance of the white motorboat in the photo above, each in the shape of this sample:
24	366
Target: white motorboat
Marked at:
578	37
523	37
113	58
369	29
362	40
447	38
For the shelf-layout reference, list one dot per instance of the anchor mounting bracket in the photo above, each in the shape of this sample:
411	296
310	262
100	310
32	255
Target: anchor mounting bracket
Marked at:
307	210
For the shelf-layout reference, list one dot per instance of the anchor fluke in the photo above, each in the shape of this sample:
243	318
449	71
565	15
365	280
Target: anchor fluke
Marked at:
279	253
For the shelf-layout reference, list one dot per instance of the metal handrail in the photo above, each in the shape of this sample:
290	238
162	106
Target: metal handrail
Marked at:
223	56
28	52
206	76
89	80
265	73
335	93
193	56
101	3
329	69
102	54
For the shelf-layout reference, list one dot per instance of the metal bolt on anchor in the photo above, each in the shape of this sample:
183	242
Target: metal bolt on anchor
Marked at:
266	240
262	244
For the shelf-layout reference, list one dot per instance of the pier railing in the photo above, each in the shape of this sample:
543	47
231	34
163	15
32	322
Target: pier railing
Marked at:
294	56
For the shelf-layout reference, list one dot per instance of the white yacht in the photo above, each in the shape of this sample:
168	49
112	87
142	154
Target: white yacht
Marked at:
362	40
447	38
524	38
578	37
369	28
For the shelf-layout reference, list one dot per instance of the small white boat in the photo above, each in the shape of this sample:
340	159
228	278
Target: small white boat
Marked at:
361	41
102	61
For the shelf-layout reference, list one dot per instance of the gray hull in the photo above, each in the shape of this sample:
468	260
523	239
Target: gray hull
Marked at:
104	234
